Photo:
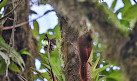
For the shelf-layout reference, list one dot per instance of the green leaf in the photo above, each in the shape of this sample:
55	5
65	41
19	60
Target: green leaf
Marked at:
116	75
2	66
14	56
5	57
127	4
44	1
96	71
120	10
24	51
36	29
14	67
113	4
0	15
1	39
113	18
131	12
3	3
95	64
58	34
125	23
56	64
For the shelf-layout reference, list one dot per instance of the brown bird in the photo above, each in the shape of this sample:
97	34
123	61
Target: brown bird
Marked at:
85	47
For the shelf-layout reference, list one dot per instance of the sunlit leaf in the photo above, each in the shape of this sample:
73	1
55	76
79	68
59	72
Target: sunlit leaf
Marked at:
43	1
36	29
14	67
113	4
56	64
98	70
95	64
3	3
127	4
5	57
24	51
120	10
58	34
131	12
116	75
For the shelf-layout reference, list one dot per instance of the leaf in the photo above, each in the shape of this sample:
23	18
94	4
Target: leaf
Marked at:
125	23
131	12
24	51
14	67
15	56
44	1
5	57
95	64
120	10
36	28
96	71
56	64
32	12
58	34
113	4
127	4
2	3
1	39
116	75
2	66
0	15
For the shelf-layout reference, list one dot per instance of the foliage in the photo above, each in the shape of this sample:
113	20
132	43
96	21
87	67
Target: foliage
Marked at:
16	59
2	3
96	59
55	64
55	56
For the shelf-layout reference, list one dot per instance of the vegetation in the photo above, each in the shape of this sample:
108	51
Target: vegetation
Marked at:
114	41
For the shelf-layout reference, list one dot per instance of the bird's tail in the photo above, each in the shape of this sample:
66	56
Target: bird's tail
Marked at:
83	71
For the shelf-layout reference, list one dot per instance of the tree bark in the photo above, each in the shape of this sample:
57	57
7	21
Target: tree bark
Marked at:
23	39
121	46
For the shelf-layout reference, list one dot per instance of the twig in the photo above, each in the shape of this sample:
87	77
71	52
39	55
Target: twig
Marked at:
21	77
24	23
8	14
43	14
135	1
37	72
15	26
49	60
11	44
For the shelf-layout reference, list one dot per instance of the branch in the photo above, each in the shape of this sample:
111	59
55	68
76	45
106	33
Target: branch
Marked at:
15	26
111	32
135	1
8	14
24	23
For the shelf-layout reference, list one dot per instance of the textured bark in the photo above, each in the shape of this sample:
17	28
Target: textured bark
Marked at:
23	39
119	48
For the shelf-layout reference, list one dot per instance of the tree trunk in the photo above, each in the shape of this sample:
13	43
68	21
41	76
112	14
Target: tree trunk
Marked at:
115	38
23	39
